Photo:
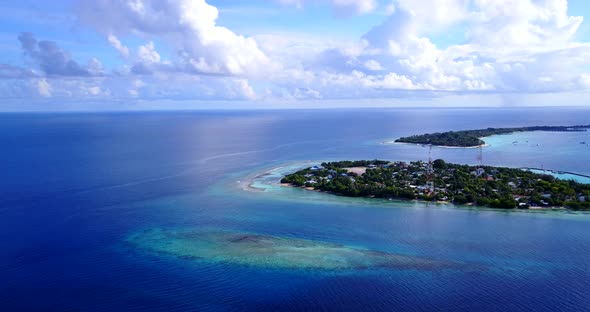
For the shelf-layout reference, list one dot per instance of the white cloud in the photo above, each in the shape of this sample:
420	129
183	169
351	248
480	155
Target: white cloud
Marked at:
522	23
95	67
525	46
138	83
406	58
341	7
584	81
243	89
373	65
435	15
44	88
93	90
297	3
116	43
189	26
135	87
154	87
390	9
350	7
148	54
306	93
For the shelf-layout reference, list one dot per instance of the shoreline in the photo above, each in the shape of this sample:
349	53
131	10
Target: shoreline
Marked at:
247	183
441	146
250	187
438	202
578	128
550	171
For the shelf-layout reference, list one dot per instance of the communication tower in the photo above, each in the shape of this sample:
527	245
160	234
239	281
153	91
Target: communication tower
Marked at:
430	172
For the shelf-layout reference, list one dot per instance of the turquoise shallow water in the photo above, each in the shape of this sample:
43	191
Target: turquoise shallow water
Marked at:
564	176
559	151
548	150
145	212
270	252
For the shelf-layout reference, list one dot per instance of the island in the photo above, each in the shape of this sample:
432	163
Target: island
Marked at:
485	186
472	138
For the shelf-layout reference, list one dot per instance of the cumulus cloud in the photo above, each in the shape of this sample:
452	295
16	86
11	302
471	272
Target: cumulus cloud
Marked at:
373	65
522	23
399	55
189	26
341	7
583	81
241	89
494	22
116	43
434	16
525	46
135	88
44	88
148	54
53	60
148	61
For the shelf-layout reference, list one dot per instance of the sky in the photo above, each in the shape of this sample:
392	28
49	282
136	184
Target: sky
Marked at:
192	54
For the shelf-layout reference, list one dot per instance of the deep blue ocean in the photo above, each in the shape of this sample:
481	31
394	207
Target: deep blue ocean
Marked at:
75	186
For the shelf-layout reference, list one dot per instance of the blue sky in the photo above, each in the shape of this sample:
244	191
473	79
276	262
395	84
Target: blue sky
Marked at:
156	54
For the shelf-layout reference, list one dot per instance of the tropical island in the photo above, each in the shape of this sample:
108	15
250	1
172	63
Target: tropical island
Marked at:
484	186
472	138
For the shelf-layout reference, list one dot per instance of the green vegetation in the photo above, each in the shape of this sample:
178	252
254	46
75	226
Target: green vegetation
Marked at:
494	187
471	138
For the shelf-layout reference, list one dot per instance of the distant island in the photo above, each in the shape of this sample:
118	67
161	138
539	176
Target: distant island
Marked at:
485	186
472	138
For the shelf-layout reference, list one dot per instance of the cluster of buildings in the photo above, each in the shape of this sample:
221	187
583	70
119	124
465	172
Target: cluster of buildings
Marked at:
452	182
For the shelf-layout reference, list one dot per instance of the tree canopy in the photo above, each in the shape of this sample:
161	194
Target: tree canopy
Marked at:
495	187
472	138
